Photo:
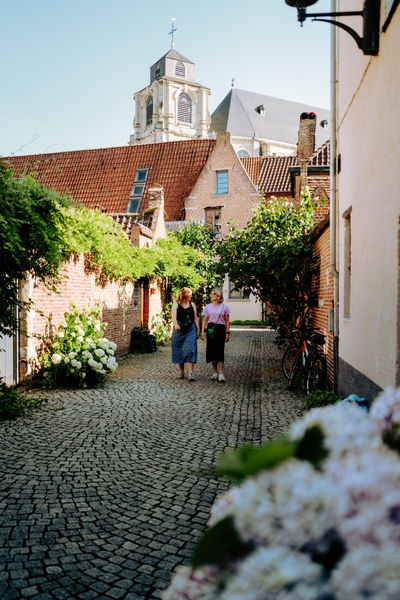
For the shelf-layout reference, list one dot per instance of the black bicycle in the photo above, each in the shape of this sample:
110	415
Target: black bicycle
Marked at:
305	366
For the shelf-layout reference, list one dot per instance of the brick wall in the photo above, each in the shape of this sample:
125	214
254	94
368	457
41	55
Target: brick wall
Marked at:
242	194
324	284
116	301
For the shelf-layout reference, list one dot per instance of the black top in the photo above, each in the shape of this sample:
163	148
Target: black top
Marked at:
181	313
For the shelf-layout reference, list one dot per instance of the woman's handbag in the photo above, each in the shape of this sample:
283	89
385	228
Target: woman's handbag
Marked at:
210	328
186	323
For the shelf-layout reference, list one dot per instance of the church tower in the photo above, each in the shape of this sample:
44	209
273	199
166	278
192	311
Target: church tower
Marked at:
173	107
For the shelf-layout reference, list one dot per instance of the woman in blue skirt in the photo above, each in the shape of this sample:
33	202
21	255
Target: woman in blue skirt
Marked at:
184	340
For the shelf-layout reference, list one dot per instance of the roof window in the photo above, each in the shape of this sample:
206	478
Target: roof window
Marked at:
261	110
137	191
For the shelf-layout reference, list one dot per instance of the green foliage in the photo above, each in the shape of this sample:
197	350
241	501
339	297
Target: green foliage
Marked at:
320	398
32	220
204	239
160	328
13	404
244	462
272	259
250	323
79	354
221	541
142	340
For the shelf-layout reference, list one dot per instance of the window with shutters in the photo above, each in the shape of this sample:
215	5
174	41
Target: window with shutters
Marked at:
180	69
149	111
221	183
157	73
184	108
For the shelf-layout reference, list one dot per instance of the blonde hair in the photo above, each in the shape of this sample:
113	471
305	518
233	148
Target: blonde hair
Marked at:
219	293
184	293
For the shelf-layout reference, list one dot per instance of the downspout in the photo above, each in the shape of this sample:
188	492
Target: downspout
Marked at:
333	207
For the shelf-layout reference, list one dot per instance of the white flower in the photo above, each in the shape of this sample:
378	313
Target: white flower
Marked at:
97	327
72	354
89	341
78	365
79	338
103	360
385	410
112	345
110	351
93	345
268	574
347	428
99	352
73	334
223	507
63	324
103	345
66	359
83	374
56	359
289	505
368	572
80	331
74	362
60	334
193	585
85	308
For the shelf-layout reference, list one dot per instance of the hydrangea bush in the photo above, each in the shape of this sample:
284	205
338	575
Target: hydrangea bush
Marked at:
316	516
79	353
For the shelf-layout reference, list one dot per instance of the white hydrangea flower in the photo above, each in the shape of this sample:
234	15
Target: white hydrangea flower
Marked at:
367	497
99	352
347	429
72	355
85	308
60	334
79	338
73	334
83	374
78	365
89	341
268	574
289	505
93	346
103	360
110	351
385	410
200	584
63	324
112	345
368	572
56	359
97	327
224	506
74	362
81	331
66	359
103	345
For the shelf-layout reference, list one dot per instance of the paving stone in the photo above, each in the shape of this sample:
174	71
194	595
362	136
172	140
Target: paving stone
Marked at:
100	496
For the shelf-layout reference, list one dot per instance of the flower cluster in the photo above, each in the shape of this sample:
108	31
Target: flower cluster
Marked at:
305	529
79	353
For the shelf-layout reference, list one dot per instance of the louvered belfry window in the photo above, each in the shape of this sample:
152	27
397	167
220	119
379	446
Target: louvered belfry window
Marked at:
184	109
149	111
180	69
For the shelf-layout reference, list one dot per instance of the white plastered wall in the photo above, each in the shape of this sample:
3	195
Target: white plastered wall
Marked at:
369	182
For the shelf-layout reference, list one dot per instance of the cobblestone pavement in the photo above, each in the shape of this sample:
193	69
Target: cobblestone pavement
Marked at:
99	495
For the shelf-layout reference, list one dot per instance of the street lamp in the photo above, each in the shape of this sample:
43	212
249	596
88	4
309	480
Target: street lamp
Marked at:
369	43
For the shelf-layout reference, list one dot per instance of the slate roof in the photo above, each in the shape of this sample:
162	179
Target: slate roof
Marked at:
322	155
103	178
175	56
237	114
270	173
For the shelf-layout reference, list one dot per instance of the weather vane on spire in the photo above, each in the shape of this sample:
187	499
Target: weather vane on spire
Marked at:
171	33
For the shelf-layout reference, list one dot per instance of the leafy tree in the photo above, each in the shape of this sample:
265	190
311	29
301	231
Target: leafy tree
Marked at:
272	259
204	239
32	219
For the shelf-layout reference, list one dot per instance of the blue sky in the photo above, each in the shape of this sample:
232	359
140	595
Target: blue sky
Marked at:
70	67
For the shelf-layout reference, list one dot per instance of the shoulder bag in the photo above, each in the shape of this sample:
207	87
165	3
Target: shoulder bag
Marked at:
187	322
210	328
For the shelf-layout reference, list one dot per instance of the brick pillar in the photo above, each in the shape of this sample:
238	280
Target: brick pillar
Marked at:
306	144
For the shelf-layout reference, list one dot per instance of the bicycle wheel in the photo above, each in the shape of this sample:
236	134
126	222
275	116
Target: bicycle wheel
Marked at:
296	374
288	360
316	374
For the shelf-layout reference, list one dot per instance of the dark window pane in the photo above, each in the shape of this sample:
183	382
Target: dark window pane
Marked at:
141	175
149	111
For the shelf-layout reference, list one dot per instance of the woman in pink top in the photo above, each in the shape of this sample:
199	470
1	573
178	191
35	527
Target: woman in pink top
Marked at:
216	317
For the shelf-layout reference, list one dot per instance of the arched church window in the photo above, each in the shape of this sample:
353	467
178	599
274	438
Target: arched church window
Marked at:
180	69
149	111
184	109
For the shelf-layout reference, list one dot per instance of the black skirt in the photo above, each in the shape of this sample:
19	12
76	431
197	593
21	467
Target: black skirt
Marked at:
215	348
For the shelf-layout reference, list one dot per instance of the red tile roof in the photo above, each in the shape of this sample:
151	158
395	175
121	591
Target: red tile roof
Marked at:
103	178
270	173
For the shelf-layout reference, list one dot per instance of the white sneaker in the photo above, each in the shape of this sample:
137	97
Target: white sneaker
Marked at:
214	376
221	377
191	377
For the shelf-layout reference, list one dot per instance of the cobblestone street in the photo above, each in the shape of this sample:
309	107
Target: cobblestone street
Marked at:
99	494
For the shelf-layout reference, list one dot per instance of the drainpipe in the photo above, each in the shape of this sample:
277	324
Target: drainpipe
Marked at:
333	207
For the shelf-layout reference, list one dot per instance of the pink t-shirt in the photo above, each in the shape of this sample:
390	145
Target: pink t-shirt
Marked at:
212	312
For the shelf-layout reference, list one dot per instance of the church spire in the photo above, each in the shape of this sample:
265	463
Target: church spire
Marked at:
171	33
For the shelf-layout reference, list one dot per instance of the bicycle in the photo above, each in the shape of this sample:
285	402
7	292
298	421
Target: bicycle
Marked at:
308	365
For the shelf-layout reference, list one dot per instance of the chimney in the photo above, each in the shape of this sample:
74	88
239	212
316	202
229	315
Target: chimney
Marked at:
306	144
156	208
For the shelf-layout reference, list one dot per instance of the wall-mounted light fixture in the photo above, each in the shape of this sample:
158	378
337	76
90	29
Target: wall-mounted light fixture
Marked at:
369	43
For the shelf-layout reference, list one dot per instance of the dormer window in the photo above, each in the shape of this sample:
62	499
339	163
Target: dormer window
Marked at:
180	69
149	111
261	110
137	191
